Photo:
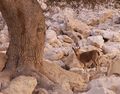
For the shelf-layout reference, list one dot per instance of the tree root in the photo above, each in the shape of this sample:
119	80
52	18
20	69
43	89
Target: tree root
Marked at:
68	80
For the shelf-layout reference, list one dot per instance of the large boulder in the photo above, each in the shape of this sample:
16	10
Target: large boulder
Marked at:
67	39
96	41
107	34
51	36
54	54
100	90
102	17
105	85
114	67
21	85
74	23
79	26
111	47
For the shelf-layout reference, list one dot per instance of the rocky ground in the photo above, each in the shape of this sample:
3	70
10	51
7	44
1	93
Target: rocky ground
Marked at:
97	29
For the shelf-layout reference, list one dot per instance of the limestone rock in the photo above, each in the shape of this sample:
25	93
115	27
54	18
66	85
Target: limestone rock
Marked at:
100	90
42	91
111	47
54	54
21	85
4	46
96	41
79	26
105	85
42	3
107	34
114	66
67	39
51	36
103	16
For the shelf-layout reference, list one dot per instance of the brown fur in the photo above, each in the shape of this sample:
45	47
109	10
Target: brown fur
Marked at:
87	57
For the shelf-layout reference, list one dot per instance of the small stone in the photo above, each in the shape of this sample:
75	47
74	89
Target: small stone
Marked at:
21	85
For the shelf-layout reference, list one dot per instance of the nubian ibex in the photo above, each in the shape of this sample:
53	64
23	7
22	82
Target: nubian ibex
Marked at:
90	58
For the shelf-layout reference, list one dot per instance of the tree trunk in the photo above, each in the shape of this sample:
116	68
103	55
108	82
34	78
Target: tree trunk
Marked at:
26	26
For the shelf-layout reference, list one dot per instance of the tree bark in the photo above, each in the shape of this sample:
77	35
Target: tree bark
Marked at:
26	26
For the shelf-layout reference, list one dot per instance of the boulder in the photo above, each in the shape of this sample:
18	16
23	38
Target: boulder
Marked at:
111	47
79	26
102	17
67	39
4	38
51	35
42	91
74	23
42	3
114	67
4	46
107	34
100	90
21	85
105	85
54	54
96	41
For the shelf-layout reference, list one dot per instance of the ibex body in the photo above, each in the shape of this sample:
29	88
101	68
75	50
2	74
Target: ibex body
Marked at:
88	58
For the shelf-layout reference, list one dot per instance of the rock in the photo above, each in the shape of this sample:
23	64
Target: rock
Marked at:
62	77
114	66
59	90
112	36
100	90
68	13
58	17
51	36
111	47
103	16
59	63
107	34
21	85
72	61
42	3
4	38
3	59
41	91
104	85
83	42
67	39
54	54
96	41
4	46
117	21
77	25
96	32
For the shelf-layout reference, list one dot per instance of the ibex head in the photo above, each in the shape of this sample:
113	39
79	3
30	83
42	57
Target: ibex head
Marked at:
76	50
